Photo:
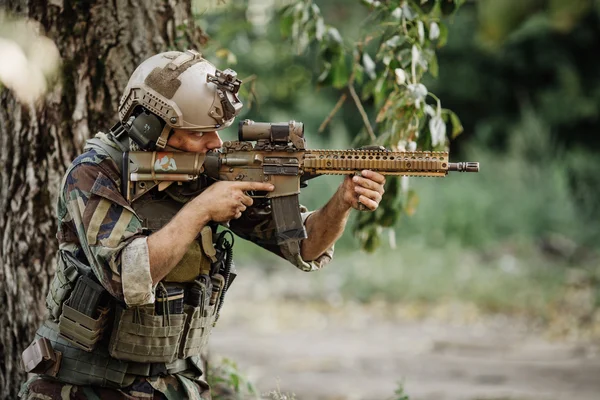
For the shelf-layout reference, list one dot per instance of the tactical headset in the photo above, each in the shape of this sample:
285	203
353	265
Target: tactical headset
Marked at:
145	129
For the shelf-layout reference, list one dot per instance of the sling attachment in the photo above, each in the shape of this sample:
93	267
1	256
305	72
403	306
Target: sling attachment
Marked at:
207	244
41	358
223	268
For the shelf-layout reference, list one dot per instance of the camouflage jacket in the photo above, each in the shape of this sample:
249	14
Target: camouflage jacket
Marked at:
96	222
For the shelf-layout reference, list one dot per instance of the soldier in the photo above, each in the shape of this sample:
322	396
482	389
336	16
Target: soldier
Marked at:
139	285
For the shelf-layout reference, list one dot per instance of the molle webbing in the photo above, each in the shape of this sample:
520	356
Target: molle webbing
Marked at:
341	162
165	80
79	367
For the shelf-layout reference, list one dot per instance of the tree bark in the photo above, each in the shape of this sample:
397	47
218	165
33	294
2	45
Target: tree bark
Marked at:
100	42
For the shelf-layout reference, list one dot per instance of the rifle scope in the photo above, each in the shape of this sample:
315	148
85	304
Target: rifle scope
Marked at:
280	132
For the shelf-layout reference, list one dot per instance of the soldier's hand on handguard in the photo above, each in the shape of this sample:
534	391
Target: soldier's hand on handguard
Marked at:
225	200
366	189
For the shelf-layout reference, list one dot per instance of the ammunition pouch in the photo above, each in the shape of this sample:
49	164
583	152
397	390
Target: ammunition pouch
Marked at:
68	269
85	314
169	329
142	336
41	358
201	315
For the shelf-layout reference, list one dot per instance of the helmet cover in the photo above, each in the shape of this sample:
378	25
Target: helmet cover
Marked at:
184	90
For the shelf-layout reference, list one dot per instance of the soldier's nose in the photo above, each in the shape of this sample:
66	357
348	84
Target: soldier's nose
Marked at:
214	140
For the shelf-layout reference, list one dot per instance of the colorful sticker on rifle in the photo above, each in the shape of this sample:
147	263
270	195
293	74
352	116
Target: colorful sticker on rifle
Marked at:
164	163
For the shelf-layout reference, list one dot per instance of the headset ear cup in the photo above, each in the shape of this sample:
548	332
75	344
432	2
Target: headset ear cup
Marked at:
146	129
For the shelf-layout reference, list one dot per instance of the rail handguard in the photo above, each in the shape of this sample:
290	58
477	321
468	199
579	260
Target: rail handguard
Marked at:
276	153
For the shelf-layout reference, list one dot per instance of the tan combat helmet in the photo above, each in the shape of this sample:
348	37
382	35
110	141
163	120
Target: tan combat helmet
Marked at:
185	91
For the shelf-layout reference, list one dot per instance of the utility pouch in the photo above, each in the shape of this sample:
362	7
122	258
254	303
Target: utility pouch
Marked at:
142	336
85	314
68	269
200	318
41	358
169	300
190	266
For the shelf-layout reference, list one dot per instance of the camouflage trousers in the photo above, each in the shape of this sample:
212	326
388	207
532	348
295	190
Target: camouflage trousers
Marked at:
171	387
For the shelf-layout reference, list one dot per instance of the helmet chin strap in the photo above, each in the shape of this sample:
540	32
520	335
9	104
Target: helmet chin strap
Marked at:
161	142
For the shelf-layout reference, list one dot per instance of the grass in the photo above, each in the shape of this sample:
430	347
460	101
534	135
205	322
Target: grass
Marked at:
517	283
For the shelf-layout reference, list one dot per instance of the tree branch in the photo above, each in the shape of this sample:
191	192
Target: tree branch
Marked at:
361	110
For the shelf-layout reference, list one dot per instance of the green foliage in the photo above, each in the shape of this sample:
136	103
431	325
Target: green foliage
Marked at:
278	395
539	78
507	279
535	66
523	194
400	394
228	383
395	49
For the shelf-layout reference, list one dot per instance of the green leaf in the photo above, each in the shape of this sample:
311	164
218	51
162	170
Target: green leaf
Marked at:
421	31
326	69
334	36
390	216
315	10
457	127
285	25
434	31
404	57
443	38
395	41
305	14
359	74
320	29
380	93
369	65
408	12
302	42
437	130
339	72
373	241
433	66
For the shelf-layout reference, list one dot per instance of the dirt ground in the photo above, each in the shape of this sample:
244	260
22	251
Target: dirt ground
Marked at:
348	351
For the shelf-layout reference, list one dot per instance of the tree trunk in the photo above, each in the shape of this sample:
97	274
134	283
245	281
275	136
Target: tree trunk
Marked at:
101	43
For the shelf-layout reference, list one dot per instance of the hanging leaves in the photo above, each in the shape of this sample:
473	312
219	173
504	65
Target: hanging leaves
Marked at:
407	115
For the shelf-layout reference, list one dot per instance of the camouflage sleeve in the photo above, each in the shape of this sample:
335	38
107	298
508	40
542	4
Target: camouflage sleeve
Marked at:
109	232
259	228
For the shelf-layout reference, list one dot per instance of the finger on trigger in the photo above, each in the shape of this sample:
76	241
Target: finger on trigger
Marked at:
246	200
263	186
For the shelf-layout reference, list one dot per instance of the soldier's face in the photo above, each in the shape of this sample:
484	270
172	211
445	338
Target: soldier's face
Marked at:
200	142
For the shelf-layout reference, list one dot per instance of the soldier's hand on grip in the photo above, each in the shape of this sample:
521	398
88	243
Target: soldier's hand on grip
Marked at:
225	200
365	189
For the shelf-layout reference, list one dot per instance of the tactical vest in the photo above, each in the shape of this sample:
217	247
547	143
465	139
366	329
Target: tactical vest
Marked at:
91	339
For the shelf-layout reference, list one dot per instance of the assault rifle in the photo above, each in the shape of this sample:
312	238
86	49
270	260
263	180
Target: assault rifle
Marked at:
277	153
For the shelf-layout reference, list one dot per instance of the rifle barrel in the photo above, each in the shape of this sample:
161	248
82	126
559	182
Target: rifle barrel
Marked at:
464	166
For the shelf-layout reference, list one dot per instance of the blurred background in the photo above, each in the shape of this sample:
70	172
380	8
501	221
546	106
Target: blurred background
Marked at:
488	286
485	286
